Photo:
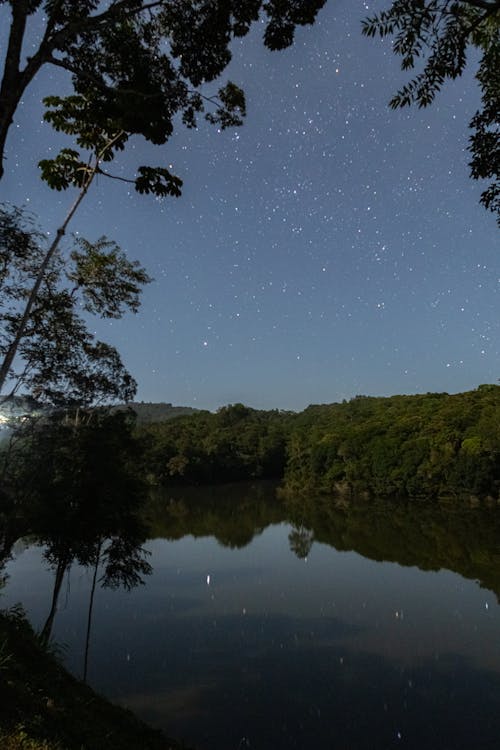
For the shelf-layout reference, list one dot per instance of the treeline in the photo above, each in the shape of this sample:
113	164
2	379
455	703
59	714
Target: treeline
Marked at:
433	444
233	444
154	412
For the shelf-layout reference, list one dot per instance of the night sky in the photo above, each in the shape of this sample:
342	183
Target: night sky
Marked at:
329	247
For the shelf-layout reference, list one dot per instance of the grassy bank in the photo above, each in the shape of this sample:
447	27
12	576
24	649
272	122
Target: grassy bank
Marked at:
42	707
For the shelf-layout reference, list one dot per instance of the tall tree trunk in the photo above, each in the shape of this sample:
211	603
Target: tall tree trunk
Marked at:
92	170
12	350
15	80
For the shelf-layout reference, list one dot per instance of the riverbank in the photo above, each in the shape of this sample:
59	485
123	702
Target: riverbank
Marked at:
44	708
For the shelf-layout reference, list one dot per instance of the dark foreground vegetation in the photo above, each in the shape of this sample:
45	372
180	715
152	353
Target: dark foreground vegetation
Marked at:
434	444
45	708
73	487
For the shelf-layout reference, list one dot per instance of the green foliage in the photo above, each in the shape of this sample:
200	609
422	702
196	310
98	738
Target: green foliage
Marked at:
232	513
157	180
65	170
109	282
436	35
429	535
77	491
145	412
425	445
5	655
57	358
19	739
232	109
403	446
134	68
235	443
74	116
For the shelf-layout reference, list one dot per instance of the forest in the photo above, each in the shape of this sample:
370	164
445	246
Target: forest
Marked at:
428	445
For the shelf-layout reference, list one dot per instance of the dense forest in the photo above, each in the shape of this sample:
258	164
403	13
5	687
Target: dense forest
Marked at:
428	445
433	444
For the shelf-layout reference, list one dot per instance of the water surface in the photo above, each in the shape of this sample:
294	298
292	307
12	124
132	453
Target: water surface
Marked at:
305	625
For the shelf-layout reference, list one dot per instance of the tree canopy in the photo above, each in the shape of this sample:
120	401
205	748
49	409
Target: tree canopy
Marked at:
135	66
435	36
45	344
432	444
139	63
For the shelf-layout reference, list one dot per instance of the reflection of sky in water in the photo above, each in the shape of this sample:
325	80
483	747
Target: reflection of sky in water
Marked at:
255	643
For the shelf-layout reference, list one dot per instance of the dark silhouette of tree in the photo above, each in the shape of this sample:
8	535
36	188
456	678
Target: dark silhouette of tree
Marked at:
436	35
139	63
78	493
43	295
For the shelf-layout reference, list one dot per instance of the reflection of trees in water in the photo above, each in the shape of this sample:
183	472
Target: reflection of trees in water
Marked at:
121	562
301	540
234	513
76	491
428	535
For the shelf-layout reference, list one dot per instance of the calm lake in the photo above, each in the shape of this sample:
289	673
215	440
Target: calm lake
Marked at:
270	625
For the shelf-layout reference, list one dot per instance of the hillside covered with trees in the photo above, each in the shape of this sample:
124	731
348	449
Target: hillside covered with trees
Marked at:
433	444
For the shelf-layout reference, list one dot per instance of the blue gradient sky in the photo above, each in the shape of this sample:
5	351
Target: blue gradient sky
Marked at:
329	247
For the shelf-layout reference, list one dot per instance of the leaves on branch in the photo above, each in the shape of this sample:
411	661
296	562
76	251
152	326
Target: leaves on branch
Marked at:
284	17
59	361
232	109
75	116
437	34
109	282
64	170
157	180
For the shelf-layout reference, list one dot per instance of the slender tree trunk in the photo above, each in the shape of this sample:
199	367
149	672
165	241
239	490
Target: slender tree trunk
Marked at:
61	569
12	350
89	618
92	170
15	80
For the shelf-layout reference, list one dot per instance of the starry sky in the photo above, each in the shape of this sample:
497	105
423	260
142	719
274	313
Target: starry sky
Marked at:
329	247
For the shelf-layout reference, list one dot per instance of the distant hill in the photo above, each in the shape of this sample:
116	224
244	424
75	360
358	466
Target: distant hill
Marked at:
14	408
155	412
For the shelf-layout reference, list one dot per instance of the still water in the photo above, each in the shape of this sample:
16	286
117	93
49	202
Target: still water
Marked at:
269	626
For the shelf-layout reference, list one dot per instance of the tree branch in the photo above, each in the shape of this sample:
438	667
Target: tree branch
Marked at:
94	22
97	82
115	176
491	7
12	349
